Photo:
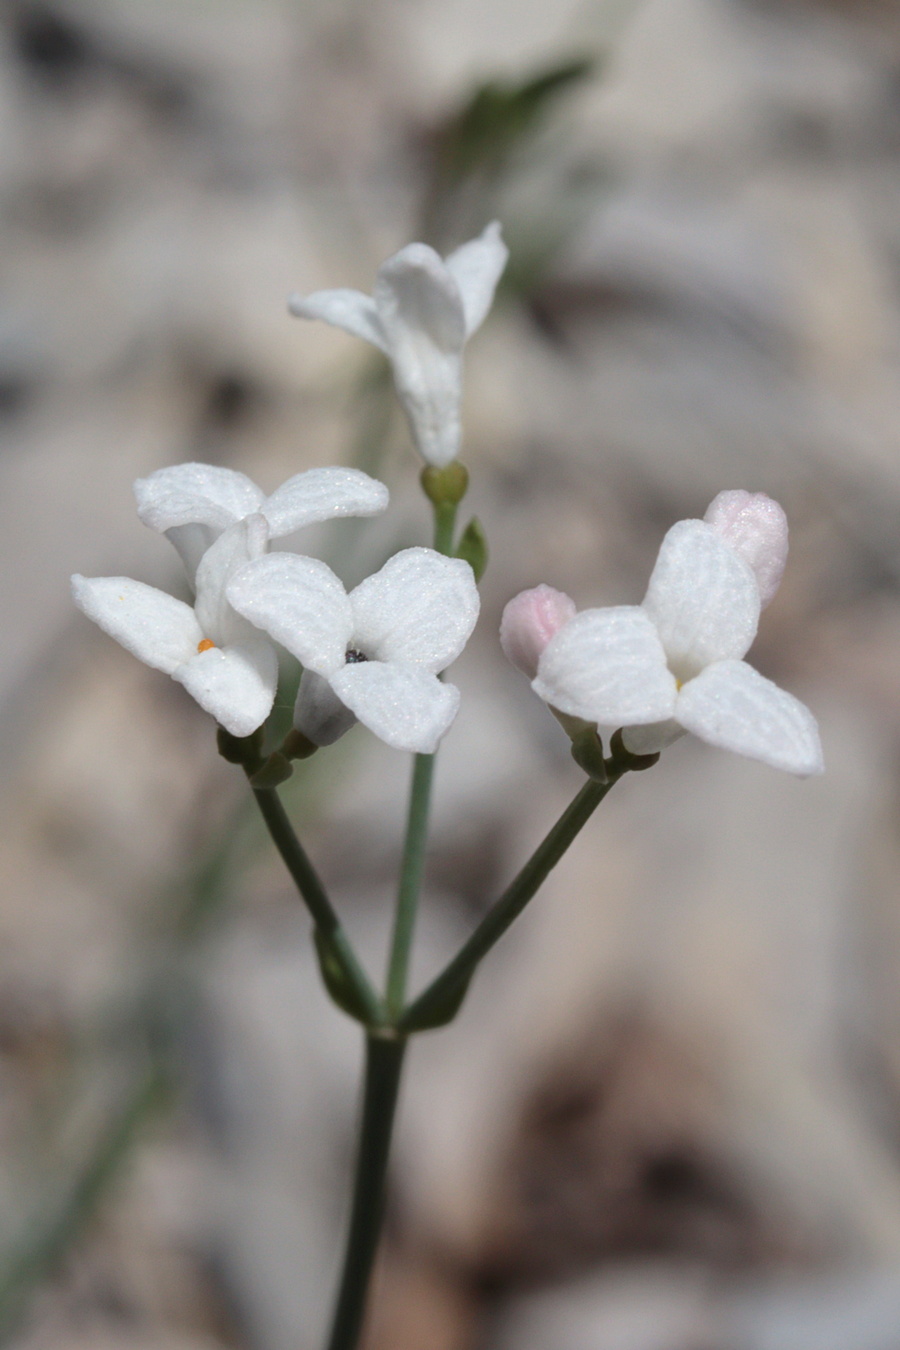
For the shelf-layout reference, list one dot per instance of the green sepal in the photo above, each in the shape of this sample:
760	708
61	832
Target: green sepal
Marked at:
587	752
297	746
246	750
276	770
438	1011
472	547
445	485
341	989
622	759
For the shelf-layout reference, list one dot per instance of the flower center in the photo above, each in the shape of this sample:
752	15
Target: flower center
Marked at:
353	657
205	645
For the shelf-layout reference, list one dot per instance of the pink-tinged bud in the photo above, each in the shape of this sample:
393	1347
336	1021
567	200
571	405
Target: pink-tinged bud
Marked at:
529	622
756	528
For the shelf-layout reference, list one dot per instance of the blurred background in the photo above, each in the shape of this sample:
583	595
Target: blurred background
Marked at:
669	1115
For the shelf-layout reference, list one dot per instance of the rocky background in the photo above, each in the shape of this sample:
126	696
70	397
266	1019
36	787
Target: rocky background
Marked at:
669	1116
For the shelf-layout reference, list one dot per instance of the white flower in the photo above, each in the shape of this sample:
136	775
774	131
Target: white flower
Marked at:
373	655
673	664
422	310
193	503
227	665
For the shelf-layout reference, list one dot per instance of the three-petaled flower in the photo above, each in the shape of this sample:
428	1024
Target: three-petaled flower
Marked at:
193	503
673	664
229	667
422	310
373	655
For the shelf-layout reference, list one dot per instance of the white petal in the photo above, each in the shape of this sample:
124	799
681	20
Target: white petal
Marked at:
192	541
342	308
300	603
406	707
235	684
420	609
702	597
732	706
416	294
651	738
158	629
476	268
421	313
607	666
195	494
322	494
319	713
232	550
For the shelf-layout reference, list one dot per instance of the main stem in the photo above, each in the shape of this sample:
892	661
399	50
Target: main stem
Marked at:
384	1061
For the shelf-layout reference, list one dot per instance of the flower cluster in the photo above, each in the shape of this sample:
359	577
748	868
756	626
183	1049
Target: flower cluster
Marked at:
373	655
674	663
657	670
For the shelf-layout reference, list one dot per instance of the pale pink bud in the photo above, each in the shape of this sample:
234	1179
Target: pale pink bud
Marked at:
756	528
529	622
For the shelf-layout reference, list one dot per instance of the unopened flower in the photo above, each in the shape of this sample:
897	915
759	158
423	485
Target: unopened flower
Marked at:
673	664
373	655
422	310
193	503
529	621
228	666
756	528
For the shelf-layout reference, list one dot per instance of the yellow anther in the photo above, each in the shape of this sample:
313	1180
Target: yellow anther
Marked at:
205	645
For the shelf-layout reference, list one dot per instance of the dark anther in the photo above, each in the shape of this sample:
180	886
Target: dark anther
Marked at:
353	658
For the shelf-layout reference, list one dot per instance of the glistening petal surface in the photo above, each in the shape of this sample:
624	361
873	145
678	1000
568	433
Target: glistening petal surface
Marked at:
421	313
195	494
419	609
236	684
300	603
155	627
702	597
607	666
406	707
416	294
734	707
476	267
235	547
322	494
342	308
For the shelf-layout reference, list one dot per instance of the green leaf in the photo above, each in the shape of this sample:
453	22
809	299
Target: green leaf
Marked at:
500	115
472	547
341	988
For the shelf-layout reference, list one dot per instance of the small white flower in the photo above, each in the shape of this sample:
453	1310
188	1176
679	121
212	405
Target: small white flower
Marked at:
193	503
422	310
373	655
225	663
673	664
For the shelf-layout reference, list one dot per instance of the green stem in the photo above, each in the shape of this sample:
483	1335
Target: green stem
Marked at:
317	902
444	525
454	978
41	1253
384	1061
410	881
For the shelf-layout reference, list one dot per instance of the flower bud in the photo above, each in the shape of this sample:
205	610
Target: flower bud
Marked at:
756	528
529	621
